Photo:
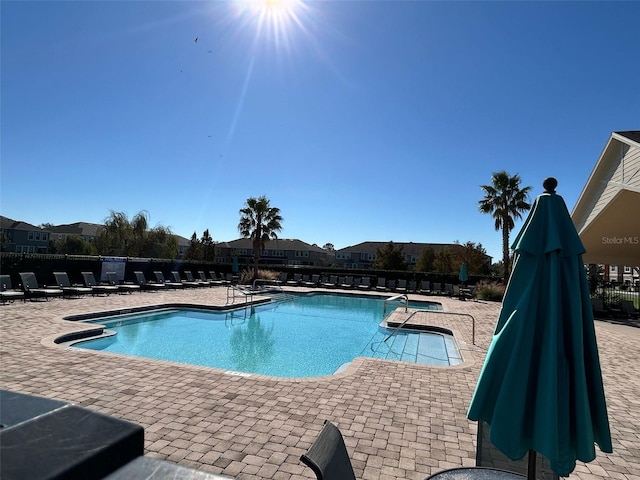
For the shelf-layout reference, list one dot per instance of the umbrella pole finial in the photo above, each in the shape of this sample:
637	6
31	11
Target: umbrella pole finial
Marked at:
550	185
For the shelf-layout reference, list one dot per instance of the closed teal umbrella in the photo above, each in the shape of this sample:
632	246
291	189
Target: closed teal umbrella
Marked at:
234	267
540	388
463	276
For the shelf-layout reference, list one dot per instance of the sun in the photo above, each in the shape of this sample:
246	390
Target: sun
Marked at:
274	20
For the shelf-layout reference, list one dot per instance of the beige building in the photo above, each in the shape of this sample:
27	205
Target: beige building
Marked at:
607	213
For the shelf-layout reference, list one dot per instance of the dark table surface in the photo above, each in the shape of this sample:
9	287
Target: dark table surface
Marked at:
475	473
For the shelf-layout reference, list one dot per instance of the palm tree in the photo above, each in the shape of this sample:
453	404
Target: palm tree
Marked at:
505	201
260	222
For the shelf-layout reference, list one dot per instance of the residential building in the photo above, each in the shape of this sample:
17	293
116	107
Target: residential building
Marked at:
362	255
606	213
84	230
281	251
21	237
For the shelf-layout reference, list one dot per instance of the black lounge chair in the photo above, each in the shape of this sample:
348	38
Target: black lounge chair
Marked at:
331	283
381	284
192	279
297	278
69	290
402	286
122	287
425	287
7	292
175	277
315	280
32	290
144	285
365	283
328	456
160	279
97	288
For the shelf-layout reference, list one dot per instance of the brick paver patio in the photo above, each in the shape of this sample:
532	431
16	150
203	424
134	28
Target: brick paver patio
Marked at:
399	420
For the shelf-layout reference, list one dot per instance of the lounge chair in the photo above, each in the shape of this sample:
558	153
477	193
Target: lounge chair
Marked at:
7	292
97	288
282	277
470	293
412	286
208	281
175	278
437	288
425	287
402	286
144	285
32	290
328	456
381	284
217	278
347	282
297	278
69	290
313	282
123	287
169	284
192	279
365	283
448	289
331	283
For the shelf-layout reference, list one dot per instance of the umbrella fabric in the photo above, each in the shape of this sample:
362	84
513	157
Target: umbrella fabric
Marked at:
463	276
540	387
234	267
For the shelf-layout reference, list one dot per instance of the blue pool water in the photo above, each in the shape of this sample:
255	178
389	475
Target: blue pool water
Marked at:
308	336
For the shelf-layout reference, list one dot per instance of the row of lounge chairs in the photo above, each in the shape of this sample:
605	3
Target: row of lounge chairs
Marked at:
31	289
381	284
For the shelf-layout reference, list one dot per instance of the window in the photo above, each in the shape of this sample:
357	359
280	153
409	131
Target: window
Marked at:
31	235
45	236
37	236
627	269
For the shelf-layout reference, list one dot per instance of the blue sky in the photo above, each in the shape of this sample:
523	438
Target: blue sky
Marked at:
364	120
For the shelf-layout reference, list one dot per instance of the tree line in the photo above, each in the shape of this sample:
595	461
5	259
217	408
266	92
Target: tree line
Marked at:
504	199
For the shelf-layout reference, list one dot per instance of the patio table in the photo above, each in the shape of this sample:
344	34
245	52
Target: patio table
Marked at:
475	473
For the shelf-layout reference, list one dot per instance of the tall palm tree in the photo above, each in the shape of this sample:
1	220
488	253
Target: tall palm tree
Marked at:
505	200
260	222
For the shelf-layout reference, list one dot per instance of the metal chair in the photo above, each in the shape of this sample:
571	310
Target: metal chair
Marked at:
328	456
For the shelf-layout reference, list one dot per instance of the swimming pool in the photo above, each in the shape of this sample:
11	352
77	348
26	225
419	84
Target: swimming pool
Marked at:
307	336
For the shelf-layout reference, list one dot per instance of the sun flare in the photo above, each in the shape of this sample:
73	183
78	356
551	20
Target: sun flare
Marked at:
274	19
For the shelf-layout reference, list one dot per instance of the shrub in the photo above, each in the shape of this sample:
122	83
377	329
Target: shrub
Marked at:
246	276
493	291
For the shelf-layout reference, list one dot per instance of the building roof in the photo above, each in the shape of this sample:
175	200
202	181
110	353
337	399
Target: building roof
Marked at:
278	244
77	228
11	224
633	135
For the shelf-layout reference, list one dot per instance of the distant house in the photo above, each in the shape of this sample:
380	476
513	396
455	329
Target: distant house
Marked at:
362	255
84	230
21	237
606	213
282	251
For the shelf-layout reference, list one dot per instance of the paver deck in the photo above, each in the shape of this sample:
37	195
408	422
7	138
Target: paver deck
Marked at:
399	420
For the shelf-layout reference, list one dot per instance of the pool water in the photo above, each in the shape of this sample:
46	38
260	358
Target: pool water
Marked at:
308	336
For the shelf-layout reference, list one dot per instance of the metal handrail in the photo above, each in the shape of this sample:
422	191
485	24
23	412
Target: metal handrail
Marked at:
473	323
404	297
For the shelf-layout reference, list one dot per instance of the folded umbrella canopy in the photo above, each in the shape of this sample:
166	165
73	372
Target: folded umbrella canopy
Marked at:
540	388
463	276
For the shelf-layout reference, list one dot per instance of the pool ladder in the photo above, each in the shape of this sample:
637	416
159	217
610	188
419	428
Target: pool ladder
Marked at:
402	297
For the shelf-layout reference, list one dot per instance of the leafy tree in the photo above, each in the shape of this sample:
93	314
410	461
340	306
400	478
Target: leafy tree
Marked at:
328	247
194	252
208	246
73	245
443	262
505	200
474	255
426	260
390	257
133	238
260	222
